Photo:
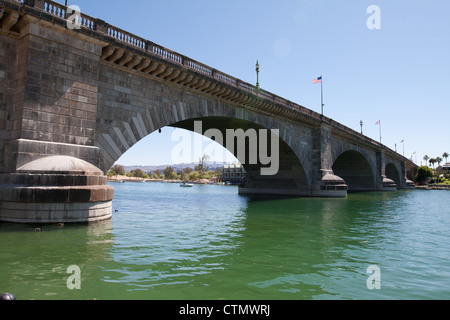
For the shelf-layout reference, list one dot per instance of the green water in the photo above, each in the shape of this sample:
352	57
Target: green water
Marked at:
207	242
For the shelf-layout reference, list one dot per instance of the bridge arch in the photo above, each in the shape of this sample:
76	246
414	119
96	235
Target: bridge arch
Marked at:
132	105
393	172
120	134
356	170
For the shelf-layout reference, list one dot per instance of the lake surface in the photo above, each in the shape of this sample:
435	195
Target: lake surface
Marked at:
207	242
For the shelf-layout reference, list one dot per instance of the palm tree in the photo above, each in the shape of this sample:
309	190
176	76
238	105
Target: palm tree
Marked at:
445	155
438	160
426	159
432	162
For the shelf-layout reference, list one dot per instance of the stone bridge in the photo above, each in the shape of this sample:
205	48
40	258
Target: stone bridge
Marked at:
77	92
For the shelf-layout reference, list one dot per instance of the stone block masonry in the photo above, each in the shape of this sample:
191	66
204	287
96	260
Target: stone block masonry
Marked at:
60	99
48	105
48	91
9	120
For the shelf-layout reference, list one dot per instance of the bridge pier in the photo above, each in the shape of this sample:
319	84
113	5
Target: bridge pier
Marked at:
409	184
287	183
326	182
48	101
330	185
55	189
383	182
387	184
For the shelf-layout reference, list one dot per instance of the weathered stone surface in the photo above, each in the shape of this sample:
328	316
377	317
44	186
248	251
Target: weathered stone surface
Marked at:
22	212
60	165
55	187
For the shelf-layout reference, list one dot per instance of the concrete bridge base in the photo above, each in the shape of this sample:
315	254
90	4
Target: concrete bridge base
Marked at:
409	184
55	189
330	186
388	185
325	192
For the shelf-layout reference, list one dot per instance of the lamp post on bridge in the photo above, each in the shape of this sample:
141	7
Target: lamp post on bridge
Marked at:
65	13
257	75
361	124
403	142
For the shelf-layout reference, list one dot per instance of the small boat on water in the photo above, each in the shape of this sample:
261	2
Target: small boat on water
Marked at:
186	184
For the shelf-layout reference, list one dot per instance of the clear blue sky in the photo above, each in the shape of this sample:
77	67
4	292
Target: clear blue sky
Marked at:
399	74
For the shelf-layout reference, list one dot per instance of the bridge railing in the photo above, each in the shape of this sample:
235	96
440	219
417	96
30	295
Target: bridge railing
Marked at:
128	38
55	9
125	36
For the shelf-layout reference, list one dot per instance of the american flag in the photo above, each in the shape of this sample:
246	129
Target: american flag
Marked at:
378	122
317	80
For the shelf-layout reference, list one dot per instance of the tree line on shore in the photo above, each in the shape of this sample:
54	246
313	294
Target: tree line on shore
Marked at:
187	174
200	171
426	175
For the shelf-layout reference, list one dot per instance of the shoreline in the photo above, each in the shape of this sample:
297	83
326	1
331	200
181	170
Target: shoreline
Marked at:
136	179
119	179
433	187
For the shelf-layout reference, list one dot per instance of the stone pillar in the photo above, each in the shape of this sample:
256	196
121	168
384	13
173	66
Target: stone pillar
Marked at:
49	162
383	183
101	26
56	94
325	182
406	183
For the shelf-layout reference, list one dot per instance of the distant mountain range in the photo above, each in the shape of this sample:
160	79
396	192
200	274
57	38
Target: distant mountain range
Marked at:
176	167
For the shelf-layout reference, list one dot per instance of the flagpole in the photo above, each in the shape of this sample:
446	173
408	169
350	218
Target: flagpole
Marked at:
320	79
380	131
321	91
